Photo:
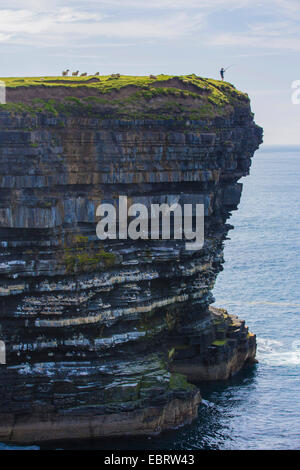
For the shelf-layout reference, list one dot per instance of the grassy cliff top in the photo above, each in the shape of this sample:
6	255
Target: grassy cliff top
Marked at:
164	96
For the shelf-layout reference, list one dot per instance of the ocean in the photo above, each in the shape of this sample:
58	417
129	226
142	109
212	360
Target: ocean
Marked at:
259	407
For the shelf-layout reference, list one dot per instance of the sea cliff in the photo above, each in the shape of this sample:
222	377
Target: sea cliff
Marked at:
110	338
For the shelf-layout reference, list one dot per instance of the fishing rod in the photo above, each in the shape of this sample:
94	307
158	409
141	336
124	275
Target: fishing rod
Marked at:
229	67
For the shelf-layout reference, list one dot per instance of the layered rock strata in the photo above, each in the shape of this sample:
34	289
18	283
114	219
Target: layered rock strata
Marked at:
107	338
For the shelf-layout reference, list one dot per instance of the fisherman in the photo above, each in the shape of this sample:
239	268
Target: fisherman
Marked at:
222	71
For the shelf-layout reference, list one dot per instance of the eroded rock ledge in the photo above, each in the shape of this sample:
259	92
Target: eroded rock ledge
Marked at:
109	338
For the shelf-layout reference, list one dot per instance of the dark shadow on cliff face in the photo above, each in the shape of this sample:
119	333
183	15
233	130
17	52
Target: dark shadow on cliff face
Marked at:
210	431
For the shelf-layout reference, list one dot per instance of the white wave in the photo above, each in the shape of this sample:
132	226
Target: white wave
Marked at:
268	345
272	352
259	302
207	403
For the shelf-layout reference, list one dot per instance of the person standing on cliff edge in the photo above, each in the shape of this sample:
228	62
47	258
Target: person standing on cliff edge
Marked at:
222	71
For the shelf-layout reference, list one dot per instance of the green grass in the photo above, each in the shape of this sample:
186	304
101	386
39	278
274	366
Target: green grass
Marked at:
179	381
86	261
83	256
220	91
194	97
219	342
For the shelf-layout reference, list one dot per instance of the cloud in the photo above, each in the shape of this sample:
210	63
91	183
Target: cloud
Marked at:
290	6
279	32
67	24
287	6
175	4
246	40
51	23
4	37
28	21
169	27
279	28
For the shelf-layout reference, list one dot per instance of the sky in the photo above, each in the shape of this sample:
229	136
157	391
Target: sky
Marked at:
141	37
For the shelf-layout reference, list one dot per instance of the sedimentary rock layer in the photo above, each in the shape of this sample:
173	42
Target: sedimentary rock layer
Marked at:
107	338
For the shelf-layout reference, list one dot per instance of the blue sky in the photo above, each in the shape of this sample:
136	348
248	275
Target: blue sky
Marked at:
139	37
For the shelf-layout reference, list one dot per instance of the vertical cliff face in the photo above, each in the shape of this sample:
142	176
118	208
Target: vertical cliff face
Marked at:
108	337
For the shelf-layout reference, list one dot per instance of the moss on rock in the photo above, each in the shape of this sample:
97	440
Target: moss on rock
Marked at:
126	97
